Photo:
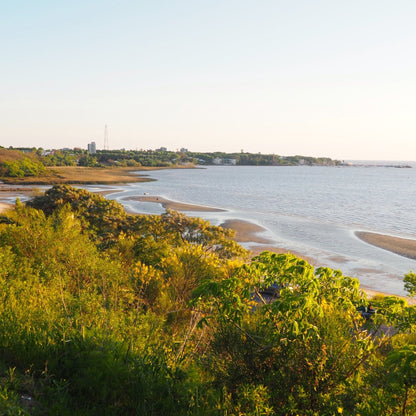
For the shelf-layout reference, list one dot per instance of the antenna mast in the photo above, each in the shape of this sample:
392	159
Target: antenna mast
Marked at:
106	138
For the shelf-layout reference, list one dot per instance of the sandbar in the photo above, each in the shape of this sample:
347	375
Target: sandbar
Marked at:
246	232
177	206
402	246
5	207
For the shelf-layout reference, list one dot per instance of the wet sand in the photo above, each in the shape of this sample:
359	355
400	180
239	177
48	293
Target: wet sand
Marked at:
5	207
401	246
246	232
177	206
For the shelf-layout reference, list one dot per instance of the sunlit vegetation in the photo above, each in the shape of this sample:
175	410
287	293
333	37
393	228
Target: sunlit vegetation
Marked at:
105	313
39	163
169	158
16	164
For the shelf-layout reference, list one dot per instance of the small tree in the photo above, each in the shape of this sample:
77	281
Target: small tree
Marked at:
410	283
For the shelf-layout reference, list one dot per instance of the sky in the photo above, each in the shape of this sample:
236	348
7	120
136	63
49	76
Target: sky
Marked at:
303	77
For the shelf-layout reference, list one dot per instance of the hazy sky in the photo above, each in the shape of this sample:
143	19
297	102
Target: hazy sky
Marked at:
318	78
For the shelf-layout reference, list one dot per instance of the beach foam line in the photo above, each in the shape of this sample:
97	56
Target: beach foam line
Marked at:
402	246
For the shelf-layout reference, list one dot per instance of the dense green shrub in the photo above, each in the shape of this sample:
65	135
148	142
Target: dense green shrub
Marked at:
22	167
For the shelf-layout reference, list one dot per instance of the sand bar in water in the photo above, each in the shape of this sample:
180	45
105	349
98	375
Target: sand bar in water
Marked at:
246	231
177	206
5	207
402	246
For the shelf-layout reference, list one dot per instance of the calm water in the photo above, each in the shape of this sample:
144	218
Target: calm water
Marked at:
312	210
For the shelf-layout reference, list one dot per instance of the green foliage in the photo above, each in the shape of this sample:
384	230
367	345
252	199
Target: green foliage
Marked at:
103	217
21	168
59	158
104	313
307	346
9	403
410	283
162	158
88	160
169	158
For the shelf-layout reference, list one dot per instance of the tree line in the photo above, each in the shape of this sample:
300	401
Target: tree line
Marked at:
33	161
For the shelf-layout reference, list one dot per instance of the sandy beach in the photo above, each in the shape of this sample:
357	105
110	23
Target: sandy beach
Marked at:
5	207
246	232
401	246
177	206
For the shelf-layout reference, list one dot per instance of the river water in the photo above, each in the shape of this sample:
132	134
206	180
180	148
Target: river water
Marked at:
311	210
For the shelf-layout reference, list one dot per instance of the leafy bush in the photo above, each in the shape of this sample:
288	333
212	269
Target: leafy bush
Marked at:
21	168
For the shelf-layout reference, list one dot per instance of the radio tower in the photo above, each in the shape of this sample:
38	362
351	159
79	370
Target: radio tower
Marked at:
106	138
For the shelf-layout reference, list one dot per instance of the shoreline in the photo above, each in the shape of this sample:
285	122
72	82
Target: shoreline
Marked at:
83	175
4	207
177	206
250	233
404	247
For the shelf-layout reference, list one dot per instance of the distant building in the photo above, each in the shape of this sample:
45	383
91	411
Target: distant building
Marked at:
219	161
92	150
23	149
183	150
162	149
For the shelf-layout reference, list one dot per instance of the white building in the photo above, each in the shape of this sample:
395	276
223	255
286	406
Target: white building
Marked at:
91	148
219	161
